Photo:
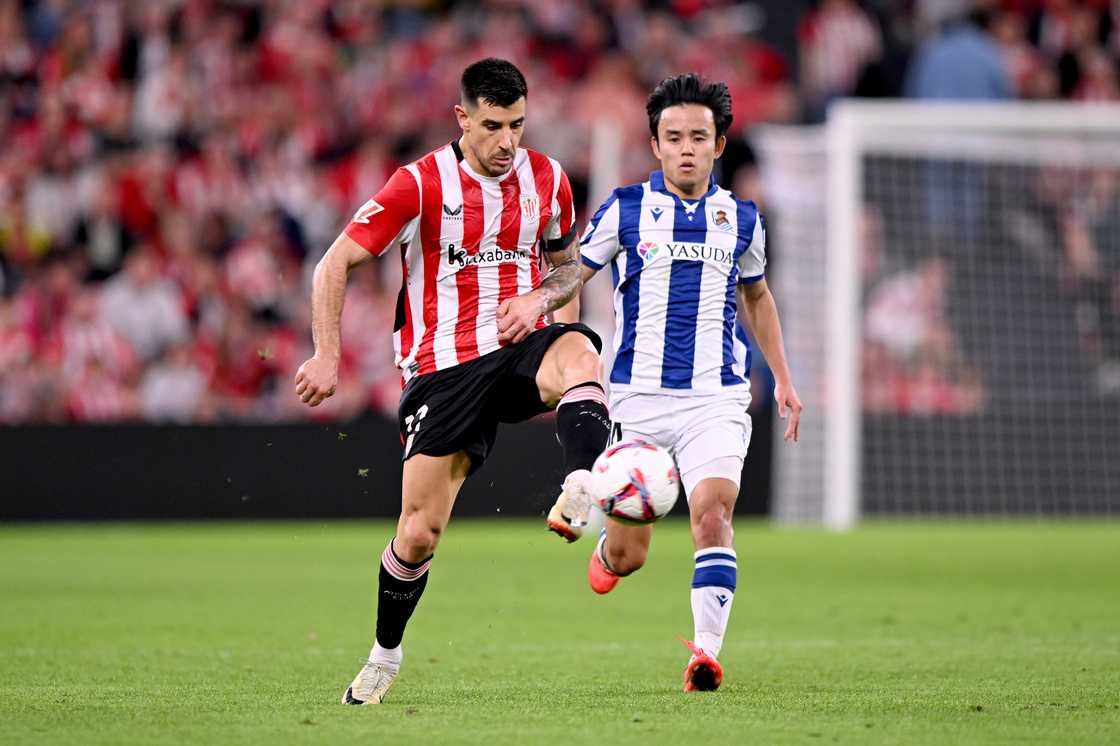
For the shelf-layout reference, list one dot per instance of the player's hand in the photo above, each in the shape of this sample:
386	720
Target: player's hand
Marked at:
788	404
517	317
316	380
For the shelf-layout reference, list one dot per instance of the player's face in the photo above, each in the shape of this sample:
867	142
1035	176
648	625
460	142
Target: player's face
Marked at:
687	146
491	134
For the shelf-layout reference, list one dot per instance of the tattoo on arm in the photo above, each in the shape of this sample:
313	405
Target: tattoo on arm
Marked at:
563	282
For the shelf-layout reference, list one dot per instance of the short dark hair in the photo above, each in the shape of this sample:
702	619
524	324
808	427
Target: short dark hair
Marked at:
689	88
497	82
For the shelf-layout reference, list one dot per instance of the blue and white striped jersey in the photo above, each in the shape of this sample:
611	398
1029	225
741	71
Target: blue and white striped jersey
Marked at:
675	265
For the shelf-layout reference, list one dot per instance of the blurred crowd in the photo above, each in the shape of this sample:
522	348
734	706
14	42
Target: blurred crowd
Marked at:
170	171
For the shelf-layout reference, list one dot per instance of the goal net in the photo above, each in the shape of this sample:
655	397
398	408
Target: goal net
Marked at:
949	282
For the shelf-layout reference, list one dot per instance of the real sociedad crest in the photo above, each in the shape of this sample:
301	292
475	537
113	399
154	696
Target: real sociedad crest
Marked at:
719	217
530	207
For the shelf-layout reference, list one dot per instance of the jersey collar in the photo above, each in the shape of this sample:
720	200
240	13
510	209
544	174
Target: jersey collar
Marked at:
466	166
657	184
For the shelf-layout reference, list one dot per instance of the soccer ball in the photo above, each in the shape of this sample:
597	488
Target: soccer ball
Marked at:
635	482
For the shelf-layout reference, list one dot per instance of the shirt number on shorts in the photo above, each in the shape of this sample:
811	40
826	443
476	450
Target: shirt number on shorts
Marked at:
412	426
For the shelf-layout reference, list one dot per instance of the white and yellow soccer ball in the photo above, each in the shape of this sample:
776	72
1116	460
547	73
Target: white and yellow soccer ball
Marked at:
635	482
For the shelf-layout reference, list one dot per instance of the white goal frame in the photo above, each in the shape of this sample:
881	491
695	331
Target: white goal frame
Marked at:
856	128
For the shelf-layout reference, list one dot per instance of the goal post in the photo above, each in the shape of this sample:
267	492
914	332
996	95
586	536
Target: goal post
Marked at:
949	279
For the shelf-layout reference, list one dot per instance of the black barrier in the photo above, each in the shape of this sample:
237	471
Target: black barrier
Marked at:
265	471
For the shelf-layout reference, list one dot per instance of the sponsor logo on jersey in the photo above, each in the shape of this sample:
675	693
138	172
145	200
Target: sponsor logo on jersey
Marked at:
656	213
458	258
719	217
456	212
367	211
530	207
648	251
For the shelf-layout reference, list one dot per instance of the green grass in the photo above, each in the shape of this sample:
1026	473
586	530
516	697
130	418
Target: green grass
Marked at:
248	633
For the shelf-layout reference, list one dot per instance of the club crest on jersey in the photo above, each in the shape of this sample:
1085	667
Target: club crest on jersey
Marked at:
367	211
530	207
648	251
719	217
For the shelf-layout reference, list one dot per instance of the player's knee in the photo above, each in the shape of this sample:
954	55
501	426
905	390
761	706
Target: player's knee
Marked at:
626	559
581	367
712	527
418	538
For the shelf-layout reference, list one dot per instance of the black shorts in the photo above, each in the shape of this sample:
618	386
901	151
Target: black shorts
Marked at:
459	408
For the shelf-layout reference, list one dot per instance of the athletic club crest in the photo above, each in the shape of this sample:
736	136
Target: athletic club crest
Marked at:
719	217
530	207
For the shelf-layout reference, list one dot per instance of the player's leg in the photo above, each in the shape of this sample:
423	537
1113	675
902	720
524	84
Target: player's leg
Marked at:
714	577
429	487
621	550
568	379
710	455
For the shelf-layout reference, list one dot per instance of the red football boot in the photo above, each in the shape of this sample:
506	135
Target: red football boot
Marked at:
599	577
703	672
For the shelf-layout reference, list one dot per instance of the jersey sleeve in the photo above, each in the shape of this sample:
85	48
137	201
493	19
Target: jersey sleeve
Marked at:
600	241
386	220
752	263
561	229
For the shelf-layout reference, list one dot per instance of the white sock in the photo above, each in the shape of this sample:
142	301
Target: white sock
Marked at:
390	657
713	590
600	549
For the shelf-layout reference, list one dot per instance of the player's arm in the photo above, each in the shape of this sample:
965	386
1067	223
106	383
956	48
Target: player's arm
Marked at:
569	312
317	378
761	313
597	247
381	223
517	317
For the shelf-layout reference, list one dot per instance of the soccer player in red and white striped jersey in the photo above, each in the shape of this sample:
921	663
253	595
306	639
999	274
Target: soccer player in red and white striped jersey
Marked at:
471	222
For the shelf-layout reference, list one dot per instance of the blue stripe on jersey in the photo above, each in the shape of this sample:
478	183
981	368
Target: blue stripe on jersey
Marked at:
745	219
629	216
684	300
727	370
741	334
591	263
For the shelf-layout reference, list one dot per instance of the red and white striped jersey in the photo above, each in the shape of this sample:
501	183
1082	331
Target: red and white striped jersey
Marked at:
468	242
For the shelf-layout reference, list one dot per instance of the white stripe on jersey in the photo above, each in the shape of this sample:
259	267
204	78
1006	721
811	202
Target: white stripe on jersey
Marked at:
655	284
528	233
414	290
709	314
486	335
451	231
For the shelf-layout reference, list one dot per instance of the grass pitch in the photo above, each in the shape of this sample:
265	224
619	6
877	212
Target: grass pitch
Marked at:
249	633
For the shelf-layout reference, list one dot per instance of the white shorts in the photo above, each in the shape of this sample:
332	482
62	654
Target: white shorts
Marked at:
708	434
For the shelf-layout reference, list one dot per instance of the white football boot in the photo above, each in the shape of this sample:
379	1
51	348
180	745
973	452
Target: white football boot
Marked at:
370	685
569	515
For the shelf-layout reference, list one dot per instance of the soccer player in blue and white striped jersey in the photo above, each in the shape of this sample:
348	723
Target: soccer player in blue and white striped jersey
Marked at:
685	256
